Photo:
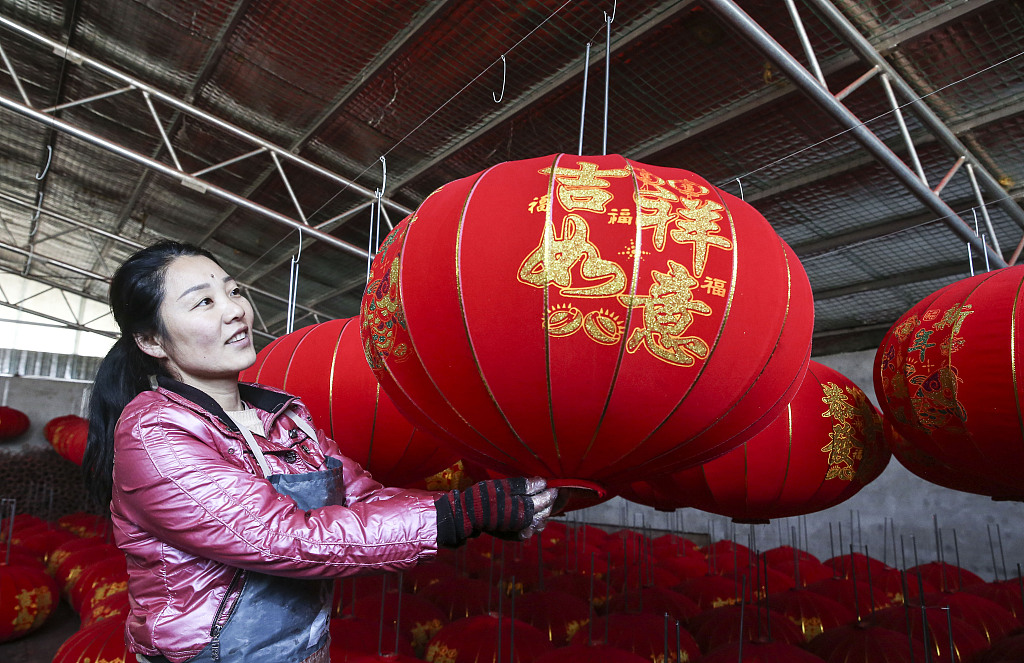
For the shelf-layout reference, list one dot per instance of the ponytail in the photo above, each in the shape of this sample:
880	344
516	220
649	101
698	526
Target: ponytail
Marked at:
122	375
136	292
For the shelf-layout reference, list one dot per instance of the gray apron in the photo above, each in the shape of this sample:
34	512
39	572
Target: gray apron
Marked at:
276	619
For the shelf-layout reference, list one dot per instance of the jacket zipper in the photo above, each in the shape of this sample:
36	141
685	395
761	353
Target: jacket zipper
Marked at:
220	618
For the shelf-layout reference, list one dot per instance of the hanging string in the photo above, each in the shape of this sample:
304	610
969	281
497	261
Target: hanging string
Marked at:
583	106
607	70
740	182
46	168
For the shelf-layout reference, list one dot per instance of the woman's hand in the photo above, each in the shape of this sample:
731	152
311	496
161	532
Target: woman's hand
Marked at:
517	506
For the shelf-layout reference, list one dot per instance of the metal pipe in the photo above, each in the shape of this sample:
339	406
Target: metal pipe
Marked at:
805	42
80	58
863	47
803	79
184	178
952	171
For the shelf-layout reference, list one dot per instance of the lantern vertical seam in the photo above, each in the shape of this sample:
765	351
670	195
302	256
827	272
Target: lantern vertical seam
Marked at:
330	384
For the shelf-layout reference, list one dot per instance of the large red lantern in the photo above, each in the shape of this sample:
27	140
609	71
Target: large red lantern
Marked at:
587	318
825	447
946	378
103	641
12	423
324	365
68	434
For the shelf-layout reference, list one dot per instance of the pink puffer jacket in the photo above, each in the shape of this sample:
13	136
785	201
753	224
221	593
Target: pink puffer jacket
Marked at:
190	507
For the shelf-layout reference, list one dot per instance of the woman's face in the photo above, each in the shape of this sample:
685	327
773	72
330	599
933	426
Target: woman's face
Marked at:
207	322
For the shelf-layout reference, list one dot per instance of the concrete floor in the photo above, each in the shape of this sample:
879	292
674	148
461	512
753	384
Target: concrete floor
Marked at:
40	646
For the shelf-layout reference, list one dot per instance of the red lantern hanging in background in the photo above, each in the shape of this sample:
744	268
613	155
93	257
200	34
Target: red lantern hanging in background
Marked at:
825	447
324	365
12	423
946	378
103	641
68	435
587	318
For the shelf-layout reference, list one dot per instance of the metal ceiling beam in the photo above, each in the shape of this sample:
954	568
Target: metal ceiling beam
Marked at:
173	173
809	85
927	116
756	102
393	48
667	12
52	318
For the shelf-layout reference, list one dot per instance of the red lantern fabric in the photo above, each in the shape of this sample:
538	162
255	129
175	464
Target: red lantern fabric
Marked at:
587	318
103	641
12	423
352	637
71	558
459	598
85	525
866	643
114	606
825	447
1007	650
760	652
558	614
1006	594
966	640
98	581
713	591
645	635
28	596
487	638
857	594
42	542
900	587
685	567
857	564
324	365
944	576
590	654
654	600
721	626
990	619
812	612
945	376
68	435
417	618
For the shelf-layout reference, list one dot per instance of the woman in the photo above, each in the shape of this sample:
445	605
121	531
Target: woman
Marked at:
233	512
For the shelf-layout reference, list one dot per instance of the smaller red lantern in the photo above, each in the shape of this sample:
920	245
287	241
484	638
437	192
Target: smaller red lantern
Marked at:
459	598
114	606
864	642
760	652
12	423
558	614
945	576
68	435
965	639
720	626
811	611
351	636
27	599
103	641
487	638
99	581
646	635
417	618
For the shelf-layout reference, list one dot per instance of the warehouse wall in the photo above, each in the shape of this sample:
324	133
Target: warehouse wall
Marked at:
910	503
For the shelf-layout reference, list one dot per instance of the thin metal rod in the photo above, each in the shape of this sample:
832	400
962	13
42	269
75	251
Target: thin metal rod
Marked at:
984	209
904	132
852	87
14	75
952	171
160	128
164	169
90	99
803	79
805	42
583	104
222	164
288	187
607	75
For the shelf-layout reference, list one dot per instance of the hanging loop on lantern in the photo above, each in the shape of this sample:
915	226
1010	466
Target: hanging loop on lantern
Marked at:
504	70
583	105
293	287
740	183
35	215
46	168
607	69
375	214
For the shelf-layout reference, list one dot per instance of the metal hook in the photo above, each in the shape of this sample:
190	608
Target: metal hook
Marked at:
615	8
35	216
46	168
740	182
384	179
504	69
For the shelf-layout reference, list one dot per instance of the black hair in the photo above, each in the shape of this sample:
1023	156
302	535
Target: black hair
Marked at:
136	293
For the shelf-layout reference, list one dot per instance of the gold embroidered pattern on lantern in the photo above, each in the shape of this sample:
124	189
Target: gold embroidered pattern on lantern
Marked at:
844	449
583	188
667	313
553	260
382	312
